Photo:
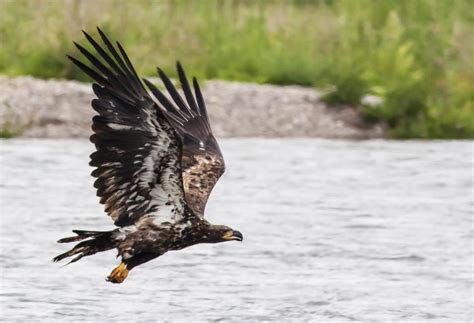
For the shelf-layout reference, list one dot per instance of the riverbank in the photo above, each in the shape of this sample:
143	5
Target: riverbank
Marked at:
37	108
412	54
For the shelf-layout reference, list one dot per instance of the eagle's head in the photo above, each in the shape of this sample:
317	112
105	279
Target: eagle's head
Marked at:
220	233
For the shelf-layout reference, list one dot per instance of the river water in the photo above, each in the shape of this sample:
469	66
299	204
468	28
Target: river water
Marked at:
334	231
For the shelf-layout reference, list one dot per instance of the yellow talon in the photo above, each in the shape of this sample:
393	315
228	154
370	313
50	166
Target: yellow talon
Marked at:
119	274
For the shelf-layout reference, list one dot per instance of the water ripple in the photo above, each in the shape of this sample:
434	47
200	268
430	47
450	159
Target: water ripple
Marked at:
335	231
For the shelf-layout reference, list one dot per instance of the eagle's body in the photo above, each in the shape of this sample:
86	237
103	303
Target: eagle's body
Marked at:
156	164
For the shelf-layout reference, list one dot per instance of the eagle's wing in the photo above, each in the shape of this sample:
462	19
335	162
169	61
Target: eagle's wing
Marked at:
138	155
202	161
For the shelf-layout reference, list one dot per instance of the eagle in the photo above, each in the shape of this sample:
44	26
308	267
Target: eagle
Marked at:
156	162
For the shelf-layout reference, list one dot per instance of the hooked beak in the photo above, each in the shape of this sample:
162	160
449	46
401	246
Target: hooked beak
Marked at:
233	235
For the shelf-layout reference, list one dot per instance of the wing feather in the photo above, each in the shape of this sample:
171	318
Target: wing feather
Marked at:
138	154
202	162
187	90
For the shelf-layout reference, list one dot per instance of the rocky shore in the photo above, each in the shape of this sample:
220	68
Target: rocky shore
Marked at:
31	107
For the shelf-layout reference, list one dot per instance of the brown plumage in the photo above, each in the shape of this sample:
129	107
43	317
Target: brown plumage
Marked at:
156	163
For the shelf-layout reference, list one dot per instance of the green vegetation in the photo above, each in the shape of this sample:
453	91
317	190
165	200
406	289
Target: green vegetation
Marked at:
415	54
7	130
8	127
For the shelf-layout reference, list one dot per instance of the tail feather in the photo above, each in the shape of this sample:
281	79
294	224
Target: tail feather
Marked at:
81	235
99	241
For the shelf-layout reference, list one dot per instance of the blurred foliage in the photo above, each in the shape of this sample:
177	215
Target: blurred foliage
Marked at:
8	130
415	54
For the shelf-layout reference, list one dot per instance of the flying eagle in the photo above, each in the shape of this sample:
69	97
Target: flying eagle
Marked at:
156	163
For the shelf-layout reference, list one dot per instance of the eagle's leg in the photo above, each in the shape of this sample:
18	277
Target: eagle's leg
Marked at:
119	274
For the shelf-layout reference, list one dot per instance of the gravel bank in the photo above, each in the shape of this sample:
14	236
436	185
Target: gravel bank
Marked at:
61	109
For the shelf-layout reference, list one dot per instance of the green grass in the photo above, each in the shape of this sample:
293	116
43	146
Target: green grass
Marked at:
415	54
7	132
8	127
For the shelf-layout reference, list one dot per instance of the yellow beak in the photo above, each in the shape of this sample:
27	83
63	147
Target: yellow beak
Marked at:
233	235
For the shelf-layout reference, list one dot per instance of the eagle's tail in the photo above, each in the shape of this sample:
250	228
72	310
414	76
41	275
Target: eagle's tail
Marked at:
97	241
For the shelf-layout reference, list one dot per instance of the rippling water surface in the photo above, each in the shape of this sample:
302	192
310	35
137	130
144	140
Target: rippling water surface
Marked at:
333	231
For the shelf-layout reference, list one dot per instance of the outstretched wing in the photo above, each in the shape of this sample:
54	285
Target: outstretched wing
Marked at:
202	162
138	155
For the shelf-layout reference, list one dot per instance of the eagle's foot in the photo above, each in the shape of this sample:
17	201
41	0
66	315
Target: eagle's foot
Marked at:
119	274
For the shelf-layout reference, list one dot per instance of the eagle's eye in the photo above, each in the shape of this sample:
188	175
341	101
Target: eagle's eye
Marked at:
232	235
